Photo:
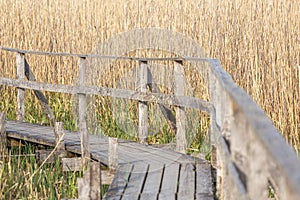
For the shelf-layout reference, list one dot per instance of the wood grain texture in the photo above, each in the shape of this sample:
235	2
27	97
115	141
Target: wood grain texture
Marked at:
187	182
85	151
3	135
136	181
112	153
179	78
20	91
142	106
119	183
185	101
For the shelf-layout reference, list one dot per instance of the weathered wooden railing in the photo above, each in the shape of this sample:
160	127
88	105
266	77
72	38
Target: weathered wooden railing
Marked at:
251	155
247	151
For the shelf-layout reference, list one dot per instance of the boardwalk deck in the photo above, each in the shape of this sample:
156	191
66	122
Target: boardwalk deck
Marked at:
144	172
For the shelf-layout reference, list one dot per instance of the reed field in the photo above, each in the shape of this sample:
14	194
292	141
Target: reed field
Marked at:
257	42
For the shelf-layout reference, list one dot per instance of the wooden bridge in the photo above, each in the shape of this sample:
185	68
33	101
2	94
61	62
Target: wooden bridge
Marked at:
248	154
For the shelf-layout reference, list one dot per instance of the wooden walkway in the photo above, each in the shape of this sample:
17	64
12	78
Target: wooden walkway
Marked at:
144	172
249	155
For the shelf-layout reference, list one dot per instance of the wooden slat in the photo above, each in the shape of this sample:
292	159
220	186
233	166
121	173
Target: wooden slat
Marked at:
119	183
169	182
153	182
186	182
203	182
136	181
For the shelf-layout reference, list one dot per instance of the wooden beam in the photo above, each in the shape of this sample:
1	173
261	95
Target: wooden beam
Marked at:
72	164
41	97
179	78
85	152
142	105
21	93
112	153
60	139
3	136
165	109
89	187
184	101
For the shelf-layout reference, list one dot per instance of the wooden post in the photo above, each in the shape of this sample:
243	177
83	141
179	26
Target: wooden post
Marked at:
180	112
213	122
112	153
85	152
89	187
20	94
95	180
59	137
3	142
143	108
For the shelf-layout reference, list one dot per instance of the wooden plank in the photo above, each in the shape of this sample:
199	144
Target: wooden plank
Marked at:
119	183
46	156
186	182
3	135
184	101
157	153
41	97
95	181
21	93
59	137
107	177
72	164
142	106
169	182
153	182
203	182
136	181
112	153
85	152
83	189
179	78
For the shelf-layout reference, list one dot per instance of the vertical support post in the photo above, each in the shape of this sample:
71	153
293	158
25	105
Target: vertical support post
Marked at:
112	153
89	187
179	78
21	94
59	137
85	152
213	123
143	108
3	142
95	181
215	132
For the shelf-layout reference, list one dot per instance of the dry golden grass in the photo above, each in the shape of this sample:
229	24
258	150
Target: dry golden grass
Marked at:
257	42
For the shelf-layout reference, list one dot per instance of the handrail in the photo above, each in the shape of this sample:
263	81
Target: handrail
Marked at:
258	151
103	56
184	101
